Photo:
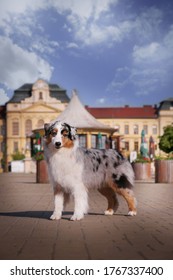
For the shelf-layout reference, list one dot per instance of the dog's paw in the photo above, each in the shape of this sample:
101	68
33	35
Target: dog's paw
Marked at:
109	212
132	213
77	217
55	216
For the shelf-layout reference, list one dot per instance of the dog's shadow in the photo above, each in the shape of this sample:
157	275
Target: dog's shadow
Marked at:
46	214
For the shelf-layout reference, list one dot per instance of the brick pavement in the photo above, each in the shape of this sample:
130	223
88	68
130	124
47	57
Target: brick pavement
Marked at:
27	233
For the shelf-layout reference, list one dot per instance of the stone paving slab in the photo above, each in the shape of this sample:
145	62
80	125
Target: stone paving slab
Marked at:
27	233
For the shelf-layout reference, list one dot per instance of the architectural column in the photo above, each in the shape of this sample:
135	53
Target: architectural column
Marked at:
88	140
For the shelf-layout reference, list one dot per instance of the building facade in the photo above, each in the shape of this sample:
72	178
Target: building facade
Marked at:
130	121
32	105
2	136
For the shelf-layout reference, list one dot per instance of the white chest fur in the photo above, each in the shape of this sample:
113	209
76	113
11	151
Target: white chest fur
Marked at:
64	169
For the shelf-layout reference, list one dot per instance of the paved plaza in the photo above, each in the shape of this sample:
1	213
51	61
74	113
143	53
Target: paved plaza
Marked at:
27	233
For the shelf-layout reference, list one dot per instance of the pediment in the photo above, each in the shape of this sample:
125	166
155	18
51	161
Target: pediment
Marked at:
40	108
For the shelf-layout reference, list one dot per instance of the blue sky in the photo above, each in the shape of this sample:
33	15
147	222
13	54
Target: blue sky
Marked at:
114	52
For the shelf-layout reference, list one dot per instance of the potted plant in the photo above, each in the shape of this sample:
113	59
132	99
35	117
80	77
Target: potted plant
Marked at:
164	164
17	163
41	168
142	168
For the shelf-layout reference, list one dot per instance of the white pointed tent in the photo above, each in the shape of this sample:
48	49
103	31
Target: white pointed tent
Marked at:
76	115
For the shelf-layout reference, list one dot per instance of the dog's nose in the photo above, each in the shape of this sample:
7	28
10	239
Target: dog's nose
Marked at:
57	144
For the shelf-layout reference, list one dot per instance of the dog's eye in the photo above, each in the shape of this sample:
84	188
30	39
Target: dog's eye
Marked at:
53	133
64	133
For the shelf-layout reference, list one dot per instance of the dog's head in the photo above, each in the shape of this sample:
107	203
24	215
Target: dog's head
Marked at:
60	134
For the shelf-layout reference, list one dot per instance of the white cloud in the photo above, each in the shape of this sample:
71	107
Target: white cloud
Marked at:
150	68
101	101
72	45
156	52
14	9
84	18
19	66
44	46
147	80
120	81
148	52
146	24
82	10
97	35
3	97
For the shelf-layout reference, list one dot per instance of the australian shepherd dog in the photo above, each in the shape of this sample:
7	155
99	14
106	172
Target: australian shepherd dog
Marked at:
73	170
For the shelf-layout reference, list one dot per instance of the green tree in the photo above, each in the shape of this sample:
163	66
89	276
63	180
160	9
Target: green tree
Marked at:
166	140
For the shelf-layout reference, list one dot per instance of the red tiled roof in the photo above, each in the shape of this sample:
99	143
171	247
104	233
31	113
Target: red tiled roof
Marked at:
146	111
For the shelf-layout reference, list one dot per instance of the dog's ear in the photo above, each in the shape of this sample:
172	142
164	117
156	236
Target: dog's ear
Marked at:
46	128
73	132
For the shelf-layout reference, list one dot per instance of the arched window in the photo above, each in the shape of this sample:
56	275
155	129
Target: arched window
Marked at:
15	127
40	123
28	127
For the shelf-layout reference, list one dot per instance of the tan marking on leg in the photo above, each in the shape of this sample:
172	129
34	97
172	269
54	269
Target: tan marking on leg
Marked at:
130	199
111	198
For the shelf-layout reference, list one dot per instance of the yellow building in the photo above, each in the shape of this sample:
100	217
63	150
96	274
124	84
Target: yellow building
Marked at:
32	105
130	121
2	136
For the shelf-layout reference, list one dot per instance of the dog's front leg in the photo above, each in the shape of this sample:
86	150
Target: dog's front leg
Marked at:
81	203
59	202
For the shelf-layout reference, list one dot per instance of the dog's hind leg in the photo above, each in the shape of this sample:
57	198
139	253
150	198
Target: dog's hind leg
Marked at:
59	203
111	198
130	199
123	184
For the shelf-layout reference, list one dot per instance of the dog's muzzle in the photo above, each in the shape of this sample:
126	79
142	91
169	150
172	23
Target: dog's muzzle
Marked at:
57	145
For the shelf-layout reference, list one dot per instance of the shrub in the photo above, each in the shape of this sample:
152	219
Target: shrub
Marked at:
39	155
18	156
166	140
142	159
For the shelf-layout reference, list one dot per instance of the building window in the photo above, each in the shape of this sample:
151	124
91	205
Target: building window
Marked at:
126	145
126	129
145	128
135	129
28	127
40	95
104	141
15	146
136	146
2	147
40	124
2	130
93	141
154	129
117	127
82	140
15	127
